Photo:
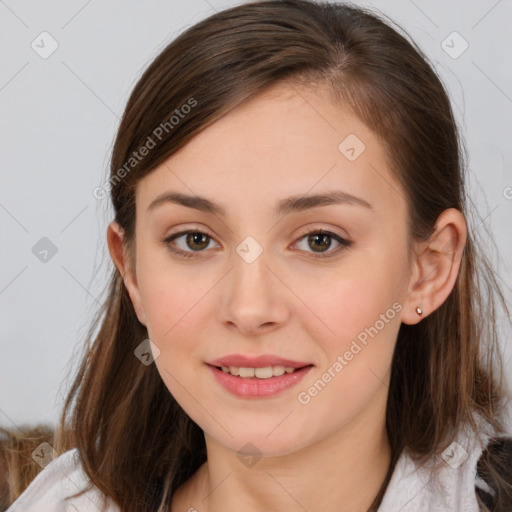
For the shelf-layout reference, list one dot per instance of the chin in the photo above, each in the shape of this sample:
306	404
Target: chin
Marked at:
258	443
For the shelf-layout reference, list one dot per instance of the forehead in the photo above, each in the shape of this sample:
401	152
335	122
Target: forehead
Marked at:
288	140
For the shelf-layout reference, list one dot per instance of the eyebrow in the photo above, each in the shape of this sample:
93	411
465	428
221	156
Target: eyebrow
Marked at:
291	204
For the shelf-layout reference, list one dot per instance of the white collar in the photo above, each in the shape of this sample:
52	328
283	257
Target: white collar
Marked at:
417	489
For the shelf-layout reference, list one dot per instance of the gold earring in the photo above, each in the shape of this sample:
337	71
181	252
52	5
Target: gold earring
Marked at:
419	311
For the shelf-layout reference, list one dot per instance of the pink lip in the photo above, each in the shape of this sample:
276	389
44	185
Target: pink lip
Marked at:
242	361
258	388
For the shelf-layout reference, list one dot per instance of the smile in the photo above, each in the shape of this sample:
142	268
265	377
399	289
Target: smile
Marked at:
259	373
259	382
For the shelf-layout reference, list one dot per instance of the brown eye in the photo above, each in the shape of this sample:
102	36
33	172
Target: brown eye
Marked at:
321	240
195	241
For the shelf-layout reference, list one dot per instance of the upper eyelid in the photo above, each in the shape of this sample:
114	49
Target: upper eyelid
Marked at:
179	234
308	231
174	236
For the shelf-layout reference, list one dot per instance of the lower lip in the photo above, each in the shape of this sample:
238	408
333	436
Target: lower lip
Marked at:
258	388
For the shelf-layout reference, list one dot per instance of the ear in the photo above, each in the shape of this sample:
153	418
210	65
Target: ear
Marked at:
436	266
117	249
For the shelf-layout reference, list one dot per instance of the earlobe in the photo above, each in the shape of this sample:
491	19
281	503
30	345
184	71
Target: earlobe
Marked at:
436	267
116	247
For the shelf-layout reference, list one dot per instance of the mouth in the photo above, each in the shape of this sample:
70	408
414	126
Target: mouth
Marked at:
262	376
258	382
265	372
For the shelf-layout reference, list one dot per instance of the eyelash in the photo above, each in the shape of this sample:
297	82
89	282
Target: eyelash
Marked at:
192	254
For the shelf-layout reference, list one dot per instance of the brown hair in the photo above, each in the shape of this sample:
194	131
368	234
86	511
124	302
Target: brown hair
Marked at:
135	442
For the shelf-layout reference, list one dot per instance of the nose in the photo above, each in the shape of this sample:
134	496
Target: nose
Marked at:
254	297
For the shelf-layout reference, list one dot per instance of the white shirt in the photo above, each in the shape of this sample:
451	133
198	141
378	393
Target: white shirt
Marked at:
411	489
62	477
417	489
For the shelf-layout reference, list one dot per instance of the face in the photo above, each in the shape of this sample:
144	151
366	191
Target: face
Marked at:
318	285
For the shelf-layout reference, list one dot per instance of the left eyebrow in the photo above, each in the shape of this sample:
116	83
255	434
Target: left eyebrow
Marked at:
299	203
291	204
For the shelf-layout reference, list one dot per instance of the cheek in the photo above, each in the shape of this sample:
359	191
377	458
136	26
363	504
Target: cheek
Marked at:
176	313
359	310
178	307
363	319
168	291
352	300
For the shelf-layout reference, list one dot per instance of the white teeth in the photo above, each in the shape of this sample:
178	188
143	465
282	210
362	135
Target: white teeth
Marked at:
246	372
278	370
260	373
263	373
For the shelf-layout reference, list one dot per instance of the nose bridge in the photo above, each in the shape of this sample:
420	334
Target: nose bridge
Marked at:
252	296
250	266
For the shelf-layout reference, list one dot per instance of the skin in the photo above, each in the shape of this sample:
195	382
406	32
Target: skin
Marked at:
332	451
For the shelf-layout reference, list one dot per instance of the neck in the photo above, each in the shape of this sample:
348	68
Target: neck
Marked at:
344	471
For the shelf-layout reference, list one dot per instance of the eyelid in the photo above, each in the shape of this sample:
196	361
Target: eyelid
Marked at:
343	242
321	229
187	254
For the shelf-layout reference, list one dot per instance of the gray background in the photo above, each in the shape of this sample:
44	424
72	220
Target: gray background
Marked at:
57	125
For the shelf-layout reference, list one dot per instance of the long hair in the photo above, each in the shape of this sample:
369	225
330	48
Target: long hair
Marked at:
135	442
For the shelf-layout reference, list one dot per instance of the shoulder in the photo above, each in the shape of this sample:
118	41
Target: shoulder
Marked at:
477	464
52	488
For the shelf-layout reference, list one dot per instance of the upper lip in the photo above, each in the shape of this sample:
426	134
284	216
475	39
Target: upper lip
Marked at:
262	361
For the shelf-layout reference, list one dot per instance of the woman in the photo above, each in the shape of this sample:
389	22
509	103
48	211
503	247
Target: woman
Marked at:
298	317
